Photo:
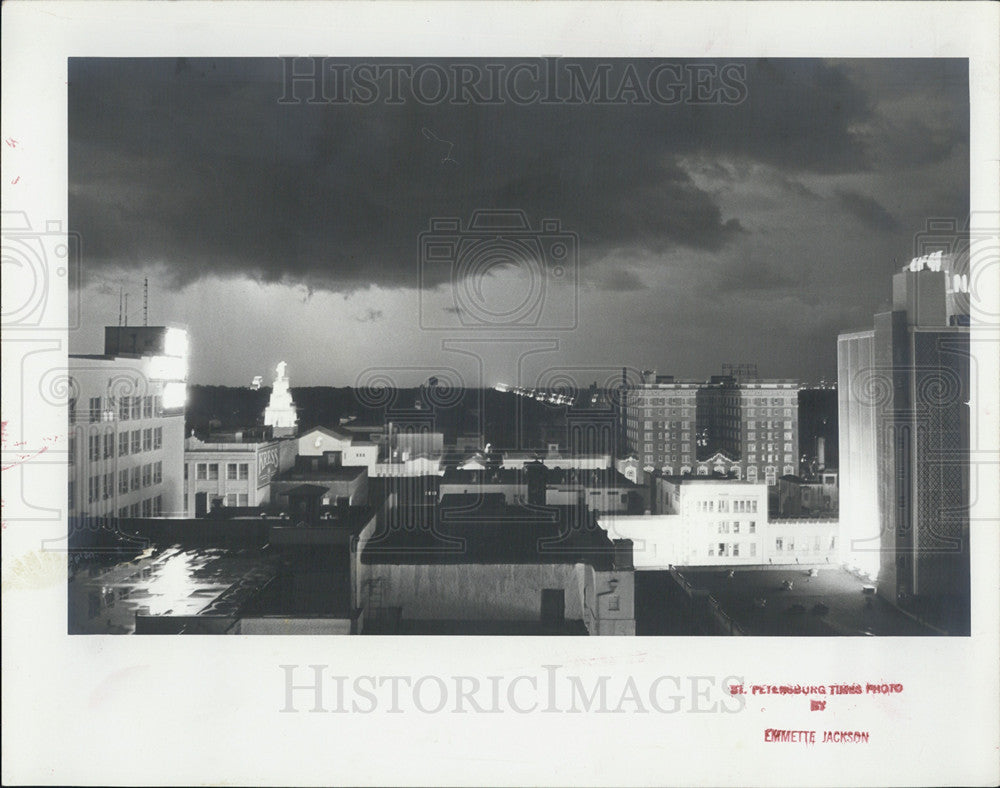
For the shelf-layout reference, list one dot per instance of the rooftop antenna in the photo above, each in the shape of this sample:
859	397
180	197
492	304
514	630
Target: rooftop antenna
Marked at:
145	301
126	309
121	287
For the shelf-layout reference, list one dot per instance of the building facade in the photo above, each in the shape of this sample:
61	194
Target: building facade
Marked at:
126	424
233	473
905	388
705	521
661	422
672	426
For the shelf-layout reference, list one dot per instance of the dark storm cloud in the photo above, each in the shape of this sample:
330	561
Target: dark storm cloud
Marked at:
195	165
620	280
753	275
867	210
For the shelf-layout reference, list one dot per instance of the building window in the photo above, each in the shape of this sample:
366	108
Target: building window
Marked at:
244	470
95	409
136	484
753	549
147	407
123	513
93	489
109	485
213	471
136	407
134	510
157	472
122	443
791	544
147	507
157	506
753	527
147	475
71	404
123	482
613	603
711	549
136	441
158	438
109	445
231	499
200	471
231	471
736	527
123	406
778	544
722	549
157	405
147	439
244	499
736	550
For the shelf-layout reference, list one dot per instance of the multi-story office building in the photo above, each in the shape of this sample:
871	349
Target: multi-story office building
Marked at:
716	521
753	421
232	470
126	418
661	419
671	425
904	442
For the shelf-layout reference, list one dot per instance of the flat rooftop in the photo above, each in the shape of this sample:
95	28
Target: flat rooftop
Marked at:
840	591
487	533
171	582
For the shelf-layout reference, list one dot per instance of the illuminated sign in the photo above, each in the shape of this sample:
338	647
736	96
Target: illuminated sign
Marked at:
267	465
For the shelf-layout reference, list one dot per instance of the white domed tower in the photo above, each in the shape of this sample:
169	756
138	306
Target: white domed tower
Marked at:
280	412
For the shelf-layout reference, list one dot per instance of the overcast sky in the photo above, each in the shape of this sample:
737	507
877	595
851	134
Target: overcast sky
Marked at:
748	227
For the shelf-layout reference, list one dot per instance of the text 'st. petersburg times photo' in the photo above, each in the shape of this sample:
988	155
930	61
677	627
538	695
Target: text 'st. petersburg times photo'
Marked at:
509	381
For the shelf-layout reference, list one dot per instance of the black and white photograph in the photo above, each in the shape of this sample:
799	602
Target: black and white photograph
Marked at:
464	349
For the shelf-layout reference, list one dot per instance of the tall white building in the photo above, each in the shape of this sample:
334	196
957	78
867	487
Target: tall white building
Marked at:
126	423
280	412
904	442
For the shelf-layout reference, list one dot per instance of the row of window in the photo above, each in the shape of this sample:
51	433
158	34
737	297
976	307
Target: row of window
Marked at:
100	487
748	505
730	549
788	545
209	471
134	442
150	507
125	408
726	525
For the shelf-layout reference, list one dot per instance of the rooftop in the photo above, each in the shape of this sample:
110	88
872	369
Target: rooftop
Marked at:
487	533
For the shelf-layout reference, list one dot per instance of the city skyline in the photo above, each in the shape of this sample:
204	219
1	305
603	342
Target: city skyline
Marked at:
742	227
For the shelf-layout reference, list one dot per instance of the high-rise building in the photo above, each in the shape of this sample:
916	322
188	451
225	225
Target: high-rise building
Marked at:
126	420
904	442
661	422
671	425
